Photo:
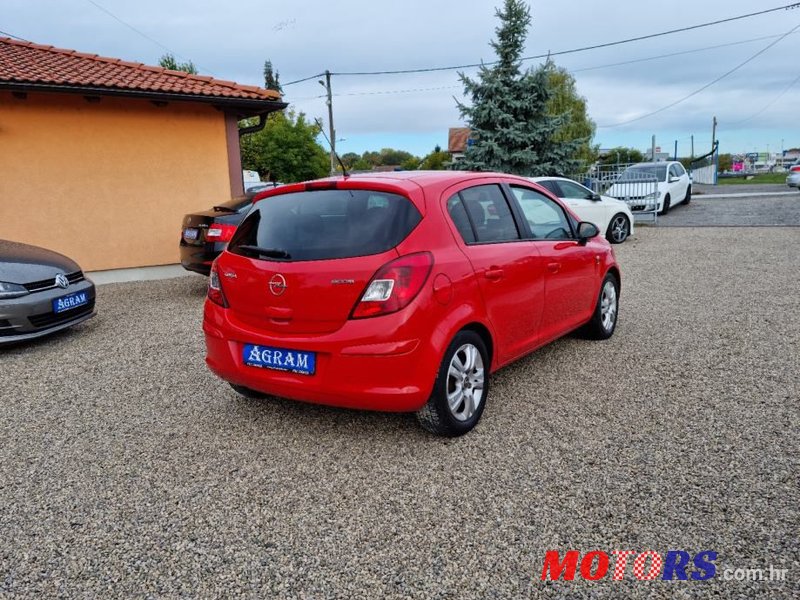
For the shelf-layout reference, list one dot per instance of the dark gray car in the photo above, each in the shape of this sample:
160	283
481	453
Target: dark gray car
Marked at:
41	292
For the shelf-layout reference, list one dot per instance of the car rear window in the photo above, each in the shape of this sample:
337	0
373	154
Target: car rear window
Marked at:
325	224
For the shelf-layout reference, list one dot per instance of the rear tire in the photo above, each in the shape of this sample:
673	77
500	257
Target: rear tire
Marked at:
606	312
248	393
461	387
618	229
688	195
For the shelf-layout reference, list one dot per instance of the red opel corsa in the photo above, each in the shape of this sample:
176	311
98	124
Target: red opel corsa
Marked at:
402	291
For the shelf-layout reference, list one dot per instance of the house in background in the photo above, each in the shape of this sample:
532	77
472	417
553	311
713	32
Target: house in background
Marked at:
457	141
100	158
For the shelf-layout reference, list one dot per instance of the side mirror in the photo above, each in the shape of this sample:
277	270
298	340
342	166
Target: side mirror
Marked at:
587	231
595	197
674	179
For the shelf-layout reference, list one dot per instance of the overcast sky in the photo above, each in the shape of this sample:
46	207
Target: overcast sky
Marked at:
231	40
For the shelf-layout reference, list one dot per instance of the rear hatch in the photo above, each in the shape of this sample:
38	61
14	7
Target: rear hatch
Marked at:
300	261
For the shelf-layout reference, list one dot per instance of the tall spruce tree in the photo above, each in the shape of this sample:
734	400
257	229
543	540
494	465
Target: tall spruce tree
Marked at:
512	131
271	79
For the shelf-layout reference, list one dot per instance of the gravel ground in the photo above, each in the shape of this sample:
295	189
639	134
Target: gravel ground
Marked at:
773	211
126	469
699	189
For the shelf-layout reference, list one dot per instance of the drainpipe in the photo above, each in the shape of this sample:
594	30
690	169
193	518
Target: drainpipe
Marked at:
262	121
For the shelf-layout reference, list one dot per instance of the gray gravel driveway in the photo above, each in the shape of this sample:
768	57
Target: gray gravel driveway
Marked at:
748	211
126	469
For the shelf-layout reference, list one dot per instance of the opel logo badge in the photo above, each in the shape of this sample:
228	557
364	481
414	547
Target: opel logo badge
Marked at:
62	281
277	285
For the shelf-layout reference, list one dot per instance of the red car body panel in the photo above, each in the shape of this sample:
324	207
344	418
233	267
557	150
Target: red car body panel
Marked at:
520	294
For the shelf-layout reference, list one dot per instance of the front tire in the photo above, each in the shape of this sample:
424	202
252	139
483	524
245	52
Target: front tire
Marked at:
618	229
604	320
666	206
461	387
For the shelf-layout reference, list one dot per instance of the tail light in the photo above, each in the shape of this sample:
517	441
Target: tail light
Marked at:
795	168
220	233
215	293
394	286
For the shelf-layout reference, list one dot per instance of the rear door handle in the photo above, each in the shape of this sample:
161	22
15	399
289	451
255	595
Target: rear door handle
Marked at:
554	267
494	274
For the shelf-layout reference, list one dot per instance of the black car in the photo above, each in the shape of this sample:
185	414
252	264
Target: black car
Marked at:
41	292
205	234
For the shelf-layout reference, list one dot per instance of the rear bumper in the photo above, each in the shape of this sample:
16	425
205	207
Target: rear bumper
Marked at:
199	258
356	367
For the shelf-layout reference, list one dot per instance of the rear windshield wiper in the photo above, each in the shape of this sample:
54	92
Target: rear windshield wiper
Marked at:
269	252
224	209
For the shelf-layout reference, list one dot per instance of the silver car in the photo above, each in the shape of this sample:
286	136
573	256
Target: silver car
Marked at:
41	292
793	179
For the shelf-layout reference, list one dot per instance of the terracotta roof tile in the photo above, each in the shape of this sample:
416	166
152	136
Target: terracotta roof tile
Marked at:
25	62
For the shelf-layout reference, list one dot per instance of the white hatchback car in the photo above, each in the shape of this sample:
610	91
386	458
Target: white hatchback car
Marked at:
612	217
673	184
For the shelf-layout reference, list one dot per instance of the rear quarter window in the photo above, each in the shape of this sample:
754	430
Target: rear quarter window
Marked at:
325	224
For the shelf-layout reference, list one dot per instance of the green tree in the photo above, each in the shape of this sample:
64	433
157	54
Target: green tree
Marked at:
436	160
725	162
508	115
349	159
271	80
411	164
168	62
621	155
391	157
578	127
285	149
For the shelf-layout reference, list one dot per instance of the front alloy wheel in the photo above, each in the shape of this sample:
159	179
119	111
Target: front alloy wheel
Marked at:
619	229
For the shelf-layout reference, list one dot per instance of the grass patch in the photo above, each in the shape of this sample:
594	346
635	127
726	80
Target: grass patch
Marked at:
760	178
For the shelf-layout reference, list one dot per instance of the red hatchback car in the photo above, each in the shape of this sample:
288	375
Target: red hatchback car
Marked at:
402	291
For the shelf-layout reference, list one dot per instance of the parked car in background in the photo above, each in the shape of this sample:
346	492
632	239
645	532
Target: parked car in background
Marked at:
402	291
673	185
613	217
41	292
204	234
793	179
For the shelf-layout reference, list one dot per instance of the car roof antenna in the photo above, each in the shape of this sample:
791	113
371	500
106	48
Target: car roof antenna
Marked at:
341	164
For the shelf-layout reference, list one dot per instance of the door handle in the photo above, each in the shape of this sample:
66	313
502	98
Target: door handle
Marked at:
554	267
493	274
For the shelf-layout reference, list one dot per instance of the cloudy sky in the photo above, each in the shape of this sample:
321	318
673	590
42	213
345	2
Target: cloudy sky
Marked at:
755	105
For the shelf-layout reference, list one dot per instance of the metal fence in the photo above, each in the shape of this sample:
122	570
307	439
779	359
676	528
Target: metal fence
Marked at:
636	187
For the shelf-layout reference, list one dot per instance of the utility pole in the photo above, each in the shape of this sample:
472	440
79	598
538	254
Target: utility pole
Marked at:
692	146
327	86
713	133
653	149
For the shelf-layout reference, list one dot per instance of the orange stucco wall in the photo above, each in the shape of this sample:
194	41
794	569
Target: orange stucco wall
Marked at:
107	182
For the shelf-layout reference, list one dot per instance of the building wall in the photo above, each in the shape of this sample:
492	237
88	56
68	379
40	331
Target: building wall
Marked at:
107	183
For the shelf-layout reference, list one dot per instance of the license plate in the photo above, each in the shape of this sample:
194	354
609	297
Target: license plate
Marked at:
70	301
190	234
279	359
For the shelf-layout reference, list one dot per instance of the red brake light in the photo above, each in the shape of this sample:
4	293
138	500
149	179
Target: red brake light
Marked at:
394	286
215	293
795	168
219	232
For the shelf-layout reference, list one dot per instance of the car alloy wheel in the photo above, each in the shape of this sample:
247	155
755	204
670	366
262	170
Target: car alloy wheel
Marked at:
608	306
619	229
465	381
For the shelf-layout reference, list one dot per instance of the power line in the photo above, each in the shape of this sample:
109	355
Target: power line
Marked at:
572	51
593	68
16	37
769	104
706	86
141	33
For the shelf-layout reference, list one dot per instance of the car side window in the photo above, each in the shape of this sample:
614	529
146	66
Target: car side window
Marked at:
457	212
679	170
573	190
551	186
546	219
488	213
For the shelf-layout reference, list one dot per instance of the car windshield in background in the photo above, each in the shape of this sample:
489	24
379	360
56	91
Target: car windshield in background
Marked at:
325	224
638	173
